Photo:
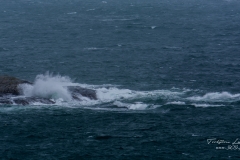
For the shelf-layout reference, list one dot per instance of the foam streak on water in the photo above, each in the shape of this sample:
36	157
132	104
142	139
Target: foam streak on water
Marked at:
54	87
216	97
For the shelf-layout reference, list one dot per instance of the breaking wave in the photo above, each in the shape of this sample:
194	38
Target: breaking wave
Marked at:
48	86
216	97
54	87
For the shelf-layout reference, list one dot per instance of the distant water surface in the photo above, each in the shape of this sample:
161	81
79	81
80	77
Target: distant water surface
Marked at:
166	75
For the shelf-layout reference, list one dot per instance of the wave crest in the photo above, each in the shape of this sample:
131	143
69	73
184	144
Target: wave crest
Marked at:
216	97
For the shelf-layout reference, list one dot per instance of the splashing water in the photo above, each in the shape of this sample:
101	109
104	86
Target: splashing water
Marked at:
48	86
55	87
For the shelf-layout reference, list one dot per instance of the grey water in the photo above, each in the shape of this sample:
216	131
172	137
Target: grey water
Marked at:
166	75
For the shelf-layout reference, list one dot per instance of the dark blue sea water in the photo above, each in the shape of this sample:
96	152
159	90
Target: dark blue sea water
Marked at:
166	73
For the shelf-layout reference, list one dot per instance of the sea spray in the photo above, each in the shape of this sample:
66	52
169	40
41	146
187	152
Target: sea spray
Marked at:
48	86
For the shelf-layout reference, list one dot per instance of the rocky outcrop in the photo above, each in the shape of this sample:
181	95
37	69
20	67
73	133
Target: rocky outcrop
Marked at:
9	86
76	90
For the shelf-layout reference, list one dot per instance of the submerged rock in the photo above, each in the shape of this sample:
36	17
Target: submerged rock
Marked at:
102	137
76	90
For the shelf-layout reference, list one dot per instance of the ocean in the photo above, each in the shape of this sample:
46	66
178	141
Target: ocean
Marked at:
166	75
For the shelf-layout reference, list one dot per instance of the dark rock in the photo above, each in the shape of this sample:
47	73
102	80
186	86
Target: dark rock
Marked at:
21	101
5	101
76	90
25	100
9	85
28	100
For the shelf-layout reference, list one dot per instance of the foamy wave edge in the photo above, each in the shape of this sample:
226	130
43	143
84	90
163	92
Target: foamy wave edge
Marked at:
54	88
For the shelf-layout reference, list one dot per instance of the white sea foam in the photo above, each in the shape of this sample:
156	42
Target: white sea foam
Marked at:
113	93
135	106
48	86
195	135
91	9
72	13
153	27
207	105
54	87
177	103
95	48
216	97
110	94
119	19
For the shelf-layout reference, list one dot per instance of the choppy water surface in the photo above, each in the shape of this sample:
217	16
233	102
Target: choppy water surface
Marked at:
166	74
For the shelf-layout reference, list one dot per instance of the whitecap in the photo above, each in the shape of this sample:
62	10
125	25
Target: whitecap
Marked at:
122	19
216	97
153	27
207	105
94	48
177	103
195	135
135	106
91	9
72	13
